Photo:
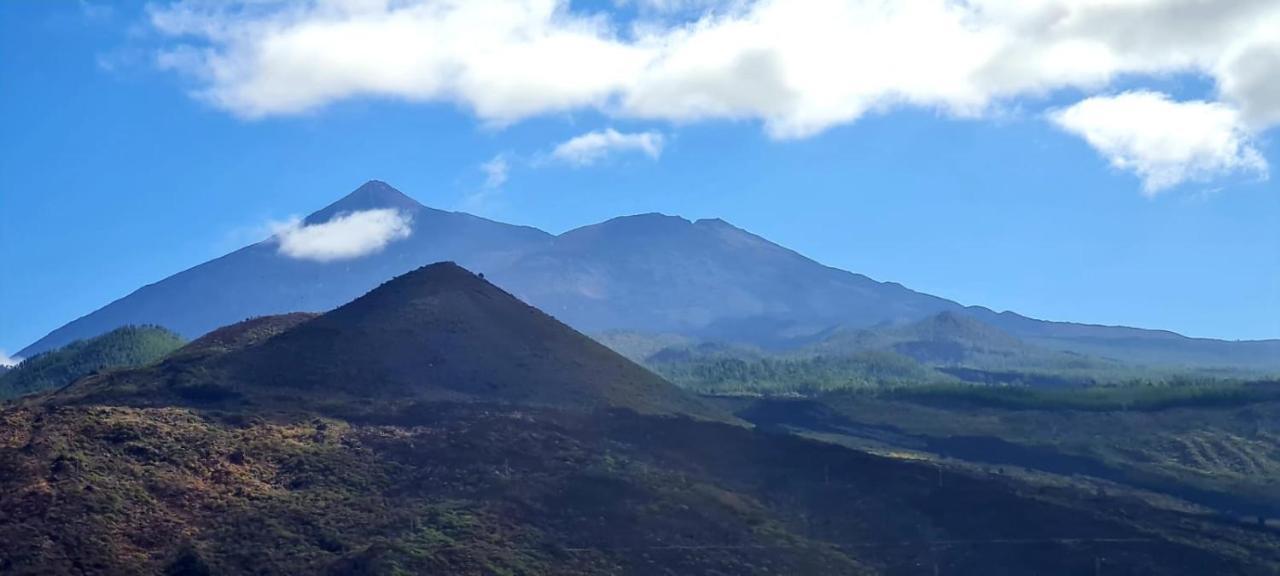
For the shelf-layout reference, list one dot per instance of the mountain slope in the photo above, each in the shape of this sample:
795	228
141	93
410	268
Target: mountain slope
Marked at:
708	279
123	347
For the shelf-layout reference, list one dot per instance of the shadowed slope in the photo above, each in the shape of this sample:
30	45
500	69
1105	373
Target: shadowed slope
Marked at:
240	335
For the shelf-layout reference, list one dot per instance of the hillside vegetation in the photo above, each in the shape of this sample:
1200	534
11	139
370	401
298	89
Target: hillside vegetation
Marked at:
941	353
123	347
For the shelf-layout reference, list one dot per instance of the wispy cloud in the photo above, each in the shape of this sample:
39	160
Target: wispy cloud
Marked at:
496	171
346	236
596	145
485	199
1163	141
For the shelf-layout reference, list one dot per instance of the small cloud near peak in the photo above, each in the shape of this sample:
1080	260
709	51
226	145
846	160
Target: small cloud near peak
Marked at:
343	237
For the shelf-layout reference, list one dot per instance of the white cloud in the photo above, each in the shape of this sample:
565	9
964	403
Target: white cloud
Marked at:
1163	141
496	171
346	236
6	360
593	146
505	59
798	67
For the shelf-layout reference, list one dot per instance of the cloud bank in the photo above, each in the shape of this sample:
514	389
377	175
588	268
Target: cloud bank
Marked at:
799	68
1163	141
594	146
344	237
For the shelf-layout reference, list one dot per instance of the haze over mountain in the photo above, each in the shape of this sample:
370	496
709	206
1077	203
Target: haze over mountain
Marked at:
646	273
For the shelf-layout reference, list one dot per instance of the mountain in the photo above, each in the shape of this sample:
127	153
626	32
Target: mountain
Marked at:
441	331
123	347
436	425
259	281
649	273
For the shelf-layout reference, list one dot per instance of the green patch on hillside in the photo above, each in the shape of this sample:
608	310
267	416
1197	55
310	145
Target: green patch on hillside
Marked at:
123	347
728	373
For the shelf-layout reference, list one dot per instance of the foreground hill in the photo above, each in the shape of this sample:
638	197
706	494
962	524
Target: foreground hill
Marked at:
648	273
475	489
123	347
443	332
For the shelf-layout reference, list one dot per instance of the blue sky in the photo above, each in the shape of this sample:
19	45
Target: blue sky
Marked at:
124	160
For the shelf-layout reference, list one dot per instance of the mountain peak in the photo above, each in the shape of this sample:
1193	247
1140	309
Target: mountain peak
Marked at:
371	195
647	219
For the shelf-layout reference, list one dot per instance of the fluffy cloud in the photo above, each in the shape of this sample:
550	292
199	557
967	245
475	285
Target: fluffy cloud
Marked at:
344	237
593	146
6	360
1164	142
506	59
797	67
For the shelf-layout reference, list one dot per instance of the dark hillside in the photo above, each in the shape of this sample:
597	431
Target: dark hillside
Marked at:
483	489
241	335
442	331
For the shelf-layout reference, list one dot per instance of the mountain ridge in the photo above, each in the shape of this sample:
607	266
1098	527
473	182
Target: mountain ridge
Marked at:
652	272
